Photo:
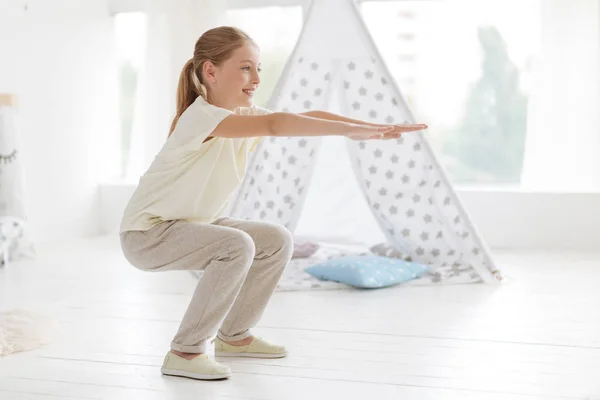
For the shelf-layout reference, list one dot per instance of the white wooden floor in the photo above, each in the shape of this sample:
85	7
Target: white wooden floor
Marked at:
537	337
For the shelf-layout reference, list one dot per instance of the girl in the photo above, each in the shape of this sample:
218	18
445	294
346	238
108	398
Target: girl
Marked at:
172	221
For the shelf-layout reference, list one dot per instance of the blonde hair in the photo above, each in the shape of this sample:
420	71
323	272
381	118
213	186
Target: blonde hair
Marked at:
215	45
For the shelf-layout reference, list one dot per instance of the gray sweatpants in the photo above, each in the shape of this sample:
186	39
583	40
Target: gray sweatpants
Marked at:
242	263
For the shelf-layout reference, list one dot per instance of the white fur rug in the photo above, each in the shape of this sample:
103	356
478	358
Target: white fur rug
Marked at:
23	330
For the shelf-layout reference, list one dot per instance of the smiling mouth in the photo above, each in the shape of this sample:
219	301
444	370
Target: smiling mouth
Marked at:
249	92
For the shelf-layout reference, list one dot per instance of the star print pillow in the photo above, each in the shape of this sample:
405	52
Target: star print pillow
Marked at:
368	272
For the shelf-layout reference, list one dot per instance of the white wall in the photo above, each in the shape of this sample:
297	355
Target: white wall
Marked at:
57	57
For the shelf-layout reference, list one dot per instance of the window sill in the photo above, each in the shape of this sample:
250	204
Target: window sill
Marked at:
516	189
507	217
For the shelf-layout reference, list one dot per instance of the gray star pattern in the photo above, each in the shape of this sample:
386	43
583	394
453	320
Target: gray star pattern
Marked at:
408	196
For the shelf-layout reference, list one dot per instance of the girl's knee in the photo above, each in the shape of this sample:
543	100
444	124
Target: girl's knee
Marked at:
239	247
281	239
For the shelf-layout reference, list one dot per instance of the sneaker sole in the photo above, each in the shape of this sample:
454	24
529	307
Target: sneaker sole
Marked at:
187	374
251	355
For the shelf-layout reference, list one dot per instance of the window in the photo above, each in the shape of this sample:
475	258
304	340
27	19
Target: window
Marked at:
276	30
464	67
130	37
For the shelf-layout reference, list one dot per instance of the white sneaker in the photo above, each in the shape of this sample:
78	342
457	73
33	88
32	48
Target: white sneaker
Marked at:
200	367
258	348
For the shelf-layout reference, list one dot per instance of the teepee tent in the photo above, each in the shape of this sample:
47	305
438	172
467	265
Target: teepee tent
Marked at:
336	66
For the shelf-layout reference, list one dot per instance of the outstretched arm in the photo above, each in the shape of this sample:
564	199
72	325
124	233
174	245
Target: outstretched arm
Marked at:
290	124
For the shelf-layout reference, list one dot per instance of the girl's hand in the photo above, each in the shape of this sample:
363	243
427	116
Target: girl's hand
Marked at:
400	129
369	132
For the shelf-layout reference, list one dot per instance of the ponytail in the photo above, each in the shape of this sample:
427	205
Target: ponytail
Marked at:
215	45
188	89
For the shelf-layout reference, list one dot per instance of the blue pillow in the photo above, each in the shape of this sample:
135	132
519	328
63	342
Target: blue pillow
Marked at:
368	271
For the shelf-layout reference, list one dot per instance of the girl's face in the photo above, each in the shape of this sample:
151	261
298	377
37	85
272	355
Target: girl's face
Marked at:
232	84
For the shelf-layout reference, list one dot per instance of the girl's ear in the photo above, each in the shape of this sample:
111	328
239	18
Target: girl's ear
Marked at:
209	70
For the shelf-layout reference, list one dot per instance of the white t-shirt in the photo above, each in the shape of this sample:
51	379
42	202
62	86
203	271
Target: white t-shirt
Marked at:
188	179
